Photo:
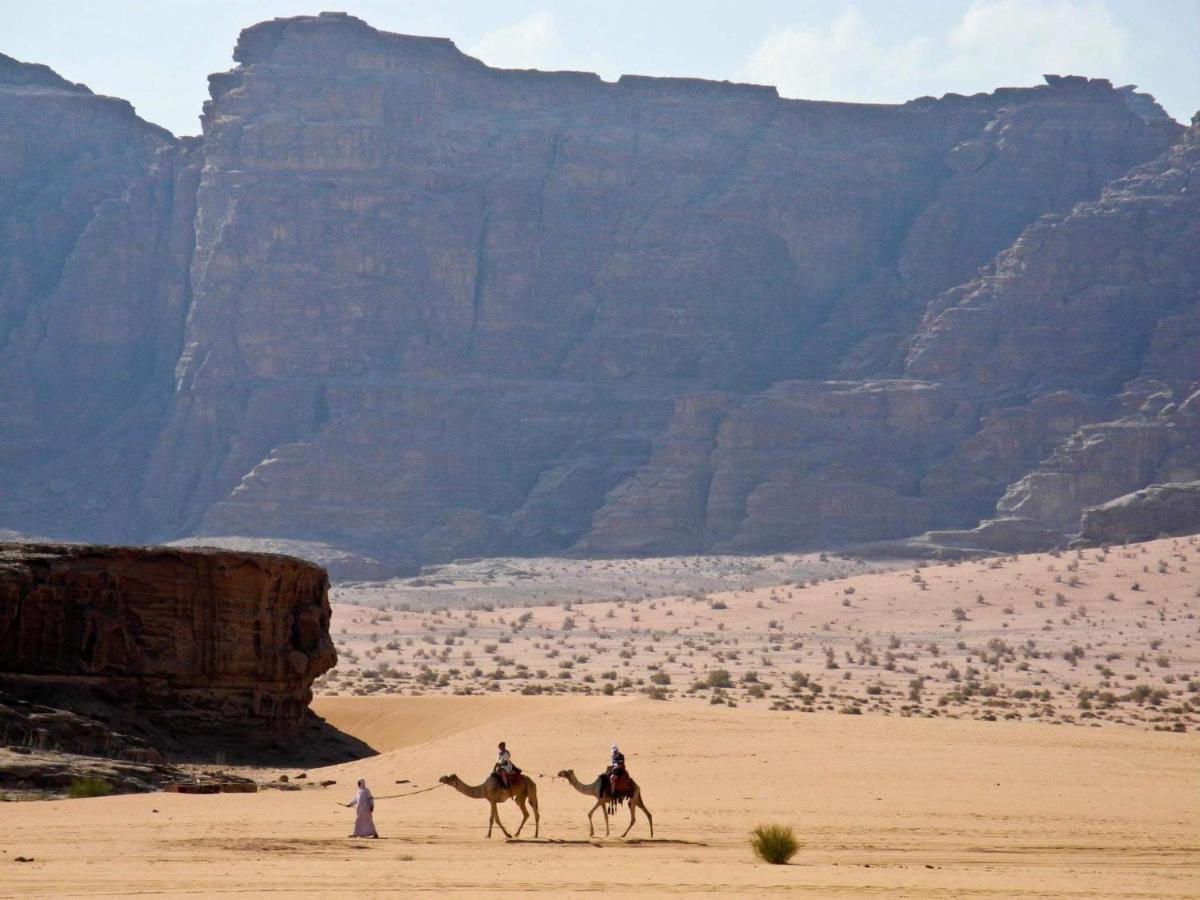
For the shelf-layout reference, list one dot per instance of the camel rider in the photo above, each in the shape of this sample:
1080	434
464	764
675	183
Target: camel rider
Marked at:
616	768
504	765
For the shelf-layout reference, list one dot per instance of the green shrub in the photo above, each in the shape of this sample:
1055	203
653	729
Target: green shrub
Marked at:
88	787
775	844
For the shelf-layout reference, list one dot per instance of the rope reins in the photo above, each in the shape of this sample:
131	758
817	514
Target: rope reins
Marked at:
411	793
427	790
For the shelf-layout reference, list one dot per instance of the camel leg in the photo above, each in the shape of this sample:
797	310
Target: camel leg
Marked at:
591	828
496	817
649	818
632	816
537	816
524	814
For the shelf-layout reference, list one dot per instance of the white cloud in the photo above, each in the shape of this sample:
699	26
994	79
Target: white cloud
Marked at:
532	43
1017	40
995	43
843	60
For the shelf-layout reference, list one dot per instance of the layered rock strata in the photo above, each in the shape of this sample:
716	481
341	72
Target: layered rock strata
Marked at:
1161	509
183	647
406	307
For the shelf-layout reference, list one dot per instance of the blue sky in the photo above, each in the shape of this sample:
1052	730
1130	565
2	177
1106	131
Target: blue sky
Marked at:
157	54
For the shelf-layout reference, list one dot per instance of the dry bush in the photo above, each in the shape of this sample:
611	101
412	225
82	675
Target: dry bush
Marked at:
775	844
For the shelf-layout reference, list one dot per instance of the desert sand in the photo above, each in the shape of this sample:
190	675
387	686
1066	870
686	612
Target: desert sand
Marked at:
1050	750
884	806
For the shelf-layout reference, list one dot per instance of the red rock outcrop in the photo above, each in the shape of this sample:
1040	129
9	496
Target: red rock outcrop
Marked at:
185	647
409	307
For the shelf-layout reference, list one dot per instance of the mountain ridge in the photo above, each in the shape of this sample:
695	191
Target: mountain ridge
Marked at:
417	308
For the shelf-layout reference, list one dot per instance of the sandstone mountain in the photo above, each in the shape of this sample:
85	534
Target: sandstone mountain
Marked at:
406	306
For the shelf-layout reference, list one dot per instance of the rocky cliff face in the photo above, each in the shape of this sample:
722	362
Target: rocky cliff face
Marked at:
96	211
1161	509
406	305
181	646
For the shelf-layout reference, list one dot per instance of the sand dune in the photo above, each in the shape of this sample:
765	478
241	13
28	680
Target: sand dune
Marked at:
884	806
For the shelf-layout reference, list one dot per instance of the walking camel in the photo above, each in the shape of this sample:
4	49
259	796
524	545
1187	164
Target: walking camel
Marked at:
494	792
594	790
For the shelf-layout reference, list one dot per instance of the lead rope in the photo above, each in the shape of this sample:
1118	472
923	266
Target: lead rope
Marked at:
411	793
434	788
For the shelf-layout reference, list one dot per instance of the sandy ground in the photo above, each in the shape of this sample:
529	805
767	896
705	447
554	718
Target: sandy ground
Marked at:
1025	727
883	806
1106	638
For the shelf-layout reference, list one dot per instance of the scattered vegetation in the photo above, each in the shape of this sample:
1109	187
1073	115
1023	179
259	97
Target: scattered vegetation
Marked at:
88	787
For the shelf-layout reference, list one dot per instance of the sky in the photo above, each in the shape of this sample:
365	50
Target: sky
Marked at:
157	54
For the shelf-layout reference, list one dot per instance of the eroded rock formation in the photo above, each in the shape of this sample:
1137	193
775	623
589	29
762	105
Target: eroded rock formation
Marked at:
407	307
1161	509
185	647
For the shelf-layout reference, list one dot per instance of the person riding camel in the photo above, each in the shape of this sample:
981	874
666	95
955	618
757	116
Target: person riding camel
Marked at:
504	767
616	770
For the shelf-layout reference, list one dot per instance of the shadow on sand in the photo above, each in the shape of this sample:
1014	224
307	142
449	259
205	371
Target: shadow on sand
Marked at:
605	842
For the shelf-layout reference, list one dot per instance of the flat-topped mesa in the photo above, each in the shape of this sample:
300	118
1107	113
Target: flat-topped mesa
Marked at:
333	40
188	648
406	306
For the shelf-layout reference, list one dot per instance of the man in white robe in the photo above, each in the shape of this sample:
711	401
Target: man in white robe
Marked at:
364	821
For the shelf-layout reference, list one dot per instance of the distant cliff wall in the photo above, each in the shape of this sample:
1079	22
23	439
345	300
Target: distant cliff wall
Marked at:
406	305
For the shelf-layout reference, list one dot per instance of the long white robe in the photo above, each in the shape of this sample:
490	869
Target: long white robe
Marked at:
364	821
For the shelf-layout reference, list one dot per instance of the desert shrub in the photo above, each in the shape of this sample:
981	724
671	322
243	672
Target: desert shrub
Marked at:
719	678
775	844
88	787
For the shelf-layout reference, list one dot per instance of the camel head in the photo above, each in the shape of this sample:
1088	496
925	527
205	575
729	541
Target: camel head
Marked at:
448	779
566	773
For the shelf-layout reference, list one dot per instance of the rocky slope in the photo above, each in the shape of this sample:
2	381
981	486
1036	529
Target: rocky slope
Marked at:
1161	509
183	647
399	304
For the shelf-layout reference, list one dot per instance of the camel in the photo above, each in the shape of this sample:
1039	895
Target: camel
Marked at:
494	792
594	789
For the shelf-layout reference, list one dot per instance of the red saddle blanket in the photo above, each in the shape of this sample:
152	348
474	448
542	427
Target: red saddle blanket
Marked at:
620	785
508	779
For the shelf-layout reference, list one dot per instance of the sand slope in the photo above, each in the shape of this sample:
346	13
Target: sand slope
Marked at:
1096	637
885	806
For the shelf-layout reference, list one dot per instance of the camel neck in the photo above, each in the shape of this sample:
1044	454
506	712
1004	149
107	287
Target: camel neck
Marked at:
581	787
475	792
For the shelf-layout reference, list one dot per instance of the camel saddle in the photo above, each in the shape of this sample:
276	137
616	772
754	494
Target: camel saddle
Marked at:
507	779
620	786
